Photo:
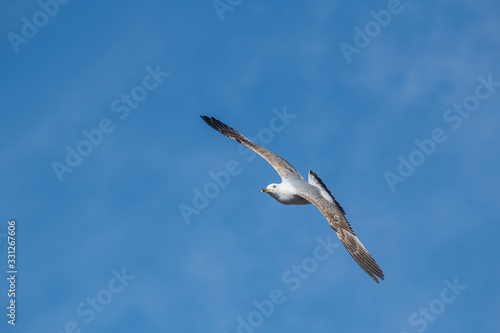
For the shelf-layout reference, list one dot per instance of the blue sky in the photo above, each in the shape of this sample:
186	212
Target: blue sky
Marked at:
404	131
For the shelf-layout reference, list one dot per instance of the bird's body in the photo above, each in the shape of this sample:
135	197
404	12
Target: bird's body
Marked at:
294	190
285	192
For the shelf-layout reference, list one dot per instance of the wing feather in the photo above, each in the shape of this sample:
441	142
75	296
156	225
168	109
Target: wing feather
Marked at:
333	212
314	179
279	164
346	235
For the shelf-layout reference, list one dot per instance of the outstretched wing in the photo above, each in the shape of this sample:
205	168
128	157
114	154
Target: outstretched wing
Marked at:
279	164
346	235
315	180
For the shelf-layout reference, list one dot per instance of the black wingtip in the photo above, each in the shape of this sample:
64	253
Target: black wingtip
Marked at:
379	277
326	188
223	128
377	274
209	120
212	122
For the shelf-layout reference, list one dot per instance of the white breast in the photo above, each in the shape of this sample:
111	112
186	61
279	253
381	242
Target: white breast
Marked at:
285	194
290	199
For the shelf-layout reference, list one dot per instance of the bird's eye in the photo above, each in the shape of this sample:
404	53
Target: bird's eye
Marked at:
274	186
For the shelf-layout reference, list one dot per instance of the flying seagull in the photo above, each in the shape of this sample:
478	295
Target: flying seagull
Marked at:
294	190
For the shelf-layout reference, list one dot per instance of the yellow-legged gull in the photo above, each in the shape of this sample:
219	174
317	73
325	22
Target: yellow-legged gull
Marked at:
294	190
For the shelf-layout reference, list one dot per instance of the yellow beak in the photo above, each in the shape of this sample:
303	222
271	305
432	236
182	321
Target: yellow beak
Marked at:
265	190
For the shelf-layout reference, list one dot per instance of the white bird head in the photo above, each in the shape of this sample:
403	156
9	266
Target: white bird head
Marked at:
270	188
